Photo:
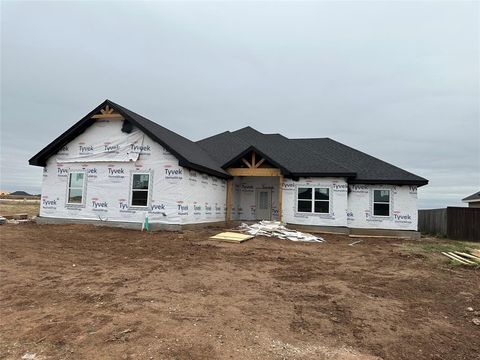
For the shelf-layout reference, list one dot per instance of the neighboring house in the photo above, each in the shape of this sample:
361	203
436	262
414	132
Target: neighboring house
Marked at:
119	167
473	200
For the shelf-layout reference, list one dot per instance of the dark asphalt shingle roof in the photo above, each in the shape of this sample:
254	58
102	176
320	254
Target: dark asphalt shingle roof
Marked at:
290	156
189	153
473	197
295	157
367	168
308	157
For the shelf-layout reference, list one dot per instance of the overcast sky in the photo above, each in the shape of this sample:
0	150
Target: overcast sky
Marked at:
398	80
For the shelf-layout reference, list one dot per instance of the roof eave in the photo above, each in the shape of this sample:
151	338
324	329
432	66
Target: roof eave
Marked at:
325	174
470	200
420	182
203	169
40	159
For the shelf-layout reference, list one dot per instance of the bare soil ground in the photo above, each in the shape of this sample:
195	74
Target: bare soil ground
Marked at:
85	292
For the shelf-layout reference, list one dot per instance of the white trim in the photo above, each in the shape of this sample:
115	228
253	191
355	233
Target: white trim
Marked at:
83	188
313	200
382	202
133	173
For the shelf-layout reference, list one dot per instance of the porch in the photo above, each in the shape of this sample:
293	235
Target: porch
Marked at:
255	192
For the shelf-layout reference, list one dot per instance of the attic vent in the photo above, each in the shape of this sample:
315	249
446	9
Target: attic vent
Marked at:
127	126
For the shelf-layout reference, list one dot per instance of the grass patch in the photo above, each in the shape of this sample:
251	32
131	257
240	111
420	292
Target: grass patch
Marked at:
447	246
18	208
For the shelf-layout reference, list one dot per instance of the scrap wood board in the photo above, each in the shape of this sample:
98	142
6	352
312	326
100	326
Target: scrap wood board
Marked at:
231	237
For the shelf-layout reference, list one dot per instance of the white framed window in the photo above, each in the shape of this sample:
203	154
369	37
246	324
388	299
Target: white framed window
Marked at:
313	200
381	202
140	189
76	188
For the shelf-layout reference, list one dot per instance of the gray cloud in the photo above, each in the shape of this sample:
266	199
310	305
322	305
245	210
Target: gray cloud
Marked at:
397	80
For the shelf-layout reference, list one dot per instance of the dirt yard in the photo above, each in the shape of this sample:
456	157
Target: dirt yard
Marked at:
84	292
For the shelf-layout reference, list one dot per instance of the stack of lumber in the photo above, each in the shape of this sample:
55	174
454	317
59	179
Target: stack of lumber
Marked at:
276	229
463	257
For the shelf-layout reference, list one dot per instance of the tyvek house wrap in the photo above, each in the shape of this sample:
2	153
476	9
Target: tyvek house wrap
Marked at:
244	202
403	207
337	215
109	157
352	205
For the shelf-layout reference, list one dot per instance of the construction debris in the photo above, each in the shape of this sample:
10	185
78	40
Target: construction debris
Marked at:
231	237
355	242
276	229
463	258
29	356
21	216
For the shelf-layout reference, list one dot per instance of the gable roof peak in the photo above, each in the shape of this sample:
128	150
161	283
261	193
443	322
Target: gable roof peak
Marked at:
247	128
188	153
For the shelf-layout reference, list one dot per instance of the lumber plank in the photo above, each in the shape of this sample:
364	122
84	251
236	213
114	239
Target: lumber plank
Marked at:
453	258
461	258
232	237
473	257
254	171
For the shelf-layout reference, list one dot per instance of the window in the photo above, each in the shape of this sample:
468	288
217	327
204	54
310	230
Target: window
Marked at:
140	189
76	182
381	202
313	200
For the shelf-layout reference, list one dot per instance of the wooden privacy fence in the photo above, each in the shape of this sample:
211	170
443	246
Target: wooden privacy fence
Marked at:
458	223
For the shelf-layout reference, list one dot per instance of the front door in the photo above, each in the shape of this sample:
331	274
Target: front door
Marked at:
264	204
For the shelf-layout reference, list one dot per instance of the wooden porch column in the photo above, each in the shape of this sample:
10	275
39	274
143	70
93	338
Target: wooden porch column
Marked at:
280	193
228	215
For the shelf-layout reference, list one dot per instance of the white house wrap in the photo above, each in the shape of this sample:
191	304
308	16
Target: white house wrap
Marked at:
116	166
177	195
